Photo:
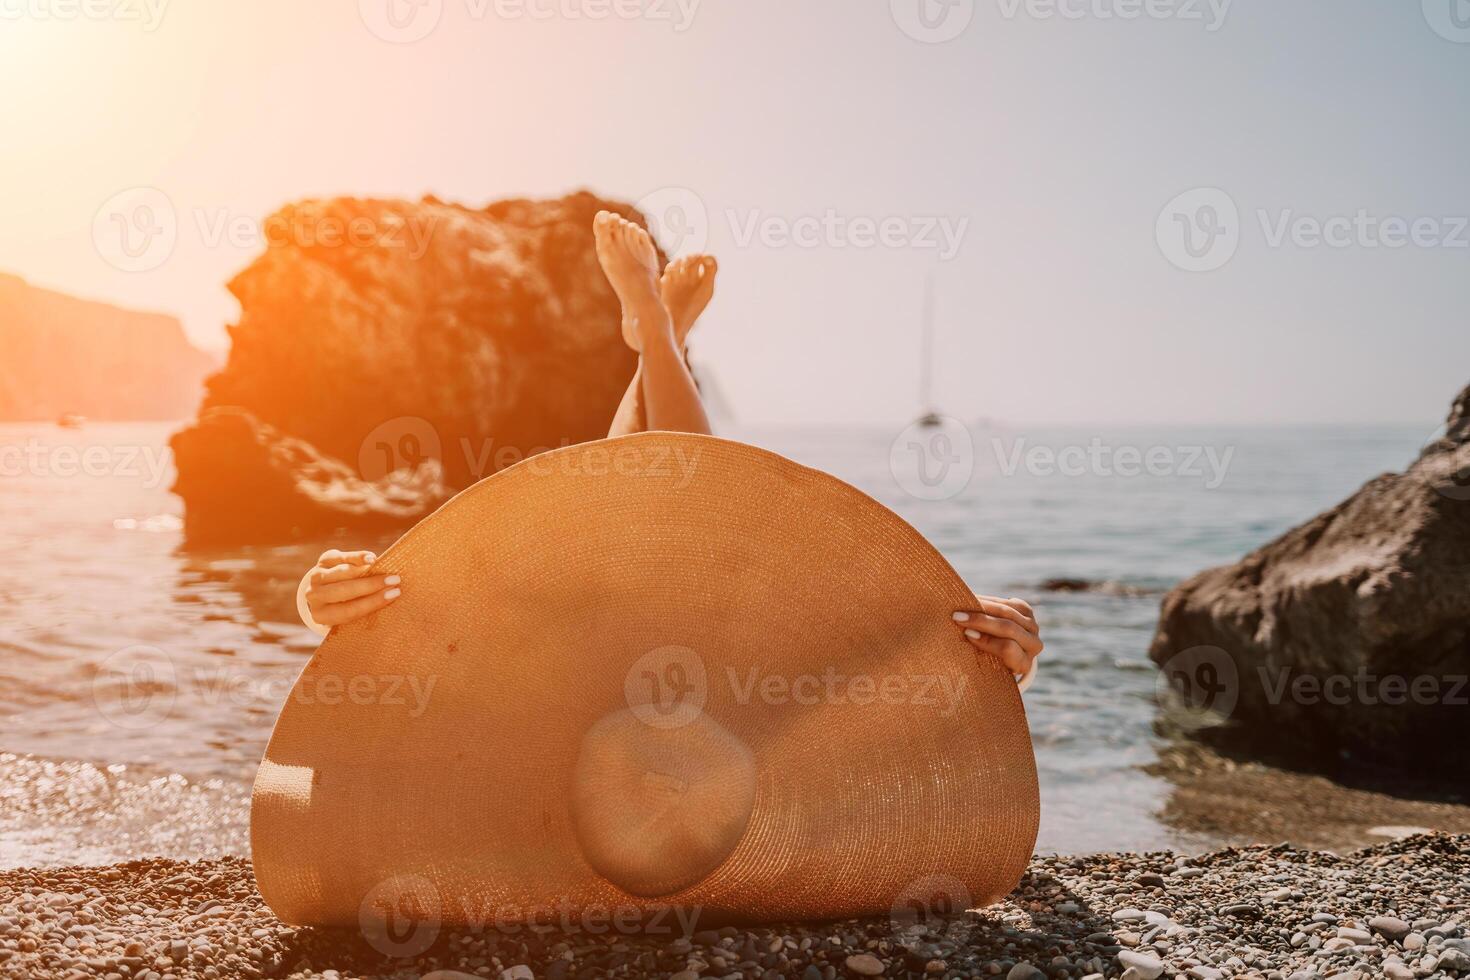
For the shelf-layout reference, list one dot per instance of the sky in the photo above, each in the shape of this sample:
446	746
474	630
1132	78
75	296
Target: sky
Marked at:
1132	211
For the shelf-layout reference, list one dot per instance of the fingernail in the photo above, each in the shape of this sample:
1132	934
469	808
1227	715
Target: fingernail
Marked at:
961	617
392	580
973	634
392	594
371	557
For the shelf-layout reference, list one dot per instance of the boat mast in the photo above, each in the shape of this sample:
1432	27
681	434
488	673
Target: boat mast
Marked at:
926	348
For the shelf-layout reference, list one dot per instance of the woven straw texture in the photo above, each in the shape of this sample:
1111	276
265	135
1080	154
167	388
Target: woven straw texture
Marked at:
662	670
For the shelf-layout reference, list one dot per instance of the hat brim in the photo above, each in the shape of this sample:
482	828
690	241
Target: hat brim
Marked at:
658	670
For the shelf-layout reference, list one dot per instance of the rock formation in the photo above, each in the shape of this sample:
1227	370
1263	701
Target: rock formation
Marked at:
1348	638
60	354
384	334
280	487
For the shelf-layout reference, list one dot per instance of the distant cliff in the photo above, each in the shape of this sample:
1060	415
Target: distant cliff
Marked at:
61	354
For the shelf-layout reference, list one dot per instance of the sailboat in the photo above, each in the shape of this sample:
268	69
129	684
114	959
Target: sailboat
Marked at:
930	419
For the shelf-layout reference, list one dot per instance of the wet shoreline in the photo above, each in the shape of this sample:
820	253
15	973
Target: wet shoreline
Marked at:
57	813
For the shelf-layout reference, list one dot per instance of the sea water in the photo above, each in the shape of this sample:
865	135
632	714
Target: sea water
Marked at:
95	575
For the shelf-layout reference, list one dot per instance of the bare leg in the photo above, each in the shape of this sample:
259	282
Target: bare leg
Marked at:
686	287
670	398
629	416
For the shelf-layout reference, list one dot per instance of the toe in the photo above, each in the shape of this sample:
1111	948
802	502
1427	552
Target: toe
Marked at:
640	244
602	228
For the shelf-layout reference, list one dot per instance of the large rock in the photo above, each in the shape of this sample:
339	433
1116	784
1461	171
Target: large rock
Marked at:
63	355
385	333
1347	638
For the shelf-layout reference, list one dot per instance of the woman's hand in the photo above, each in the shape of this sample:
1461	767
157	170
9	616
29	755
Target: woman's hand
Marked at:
1005	629
342	588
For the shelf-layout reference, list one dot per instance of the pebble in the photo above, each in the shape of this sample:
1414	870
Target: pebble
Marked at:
1392	928
1454	959
1143	965
1400	906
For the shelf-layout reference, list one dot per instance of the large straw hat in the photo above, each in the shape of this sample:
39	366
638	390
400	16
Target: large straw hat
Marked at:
657	671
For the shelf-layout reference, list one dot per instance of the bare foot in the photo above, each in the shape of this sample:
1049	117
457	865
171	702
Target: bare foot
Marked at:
631	264
687	286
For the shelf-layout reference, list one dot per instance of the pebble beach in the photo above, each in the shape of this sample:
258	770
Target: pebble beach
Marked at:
1398	910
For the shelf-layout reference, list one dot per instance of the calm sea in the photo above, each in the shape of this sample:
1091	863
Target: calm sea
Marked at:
95	565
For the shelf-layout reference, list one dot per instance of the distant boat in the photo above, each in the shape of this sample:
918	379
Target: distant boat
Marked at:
930	419
71	420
